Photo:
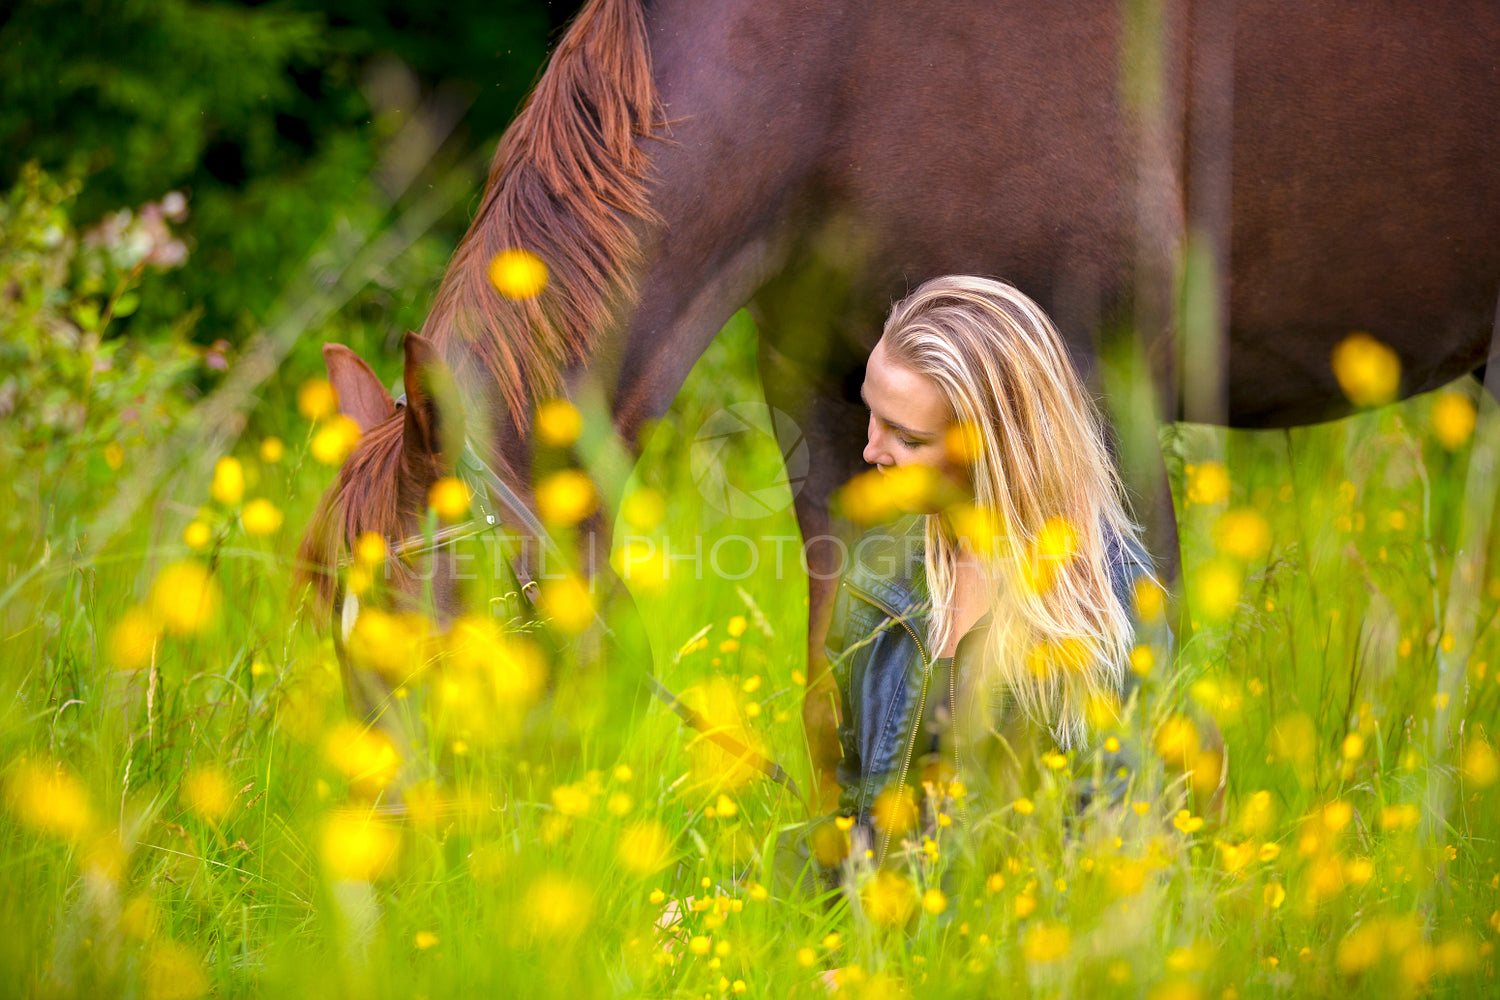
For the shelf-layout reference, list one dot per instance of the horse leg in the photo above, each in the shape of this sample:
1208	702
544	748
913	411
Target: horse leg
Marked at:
833	429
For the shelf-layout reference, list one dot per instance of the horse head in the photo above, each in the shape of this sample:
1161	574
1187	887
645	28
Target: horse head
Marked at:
383	491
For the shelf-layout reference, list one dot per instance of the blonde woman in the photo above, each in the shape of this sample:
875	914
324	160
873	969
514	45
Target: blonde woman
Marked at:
999	626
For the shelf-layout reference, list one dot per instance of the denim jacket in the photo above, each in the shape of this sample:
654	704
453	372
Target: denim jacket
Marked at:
876	646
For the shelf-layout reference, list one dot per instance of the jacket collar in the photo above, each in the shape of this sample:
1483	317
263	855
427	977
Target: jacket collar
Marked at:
887	563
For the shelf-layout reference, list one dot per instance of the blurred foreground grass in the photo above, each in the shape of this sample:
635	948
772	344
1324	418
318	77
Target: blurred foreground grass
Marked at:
188	810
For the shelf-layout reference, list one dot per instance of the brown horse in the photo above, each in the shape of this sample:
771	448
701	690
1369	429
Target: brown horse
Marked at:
1337	166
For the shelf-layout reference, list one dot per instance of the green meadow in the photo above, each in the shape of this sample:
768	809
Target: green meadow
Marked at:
190	810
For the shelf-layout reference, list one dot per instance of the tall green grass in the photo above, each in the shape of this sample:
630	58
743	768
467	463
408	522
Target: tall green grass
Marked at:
194	825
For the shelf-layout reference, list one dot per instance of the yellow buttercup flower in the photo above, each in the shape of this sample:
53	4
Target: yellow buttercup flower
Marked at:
1453	419
1242	533
518	274
335	440
566	497
450	498
229	481
1048	941
934	901
185	598
1217	590
272	450
196	536
645	846
171	971
558	906
568	603
260	517
132	639
370	549
644	509
317	399
558	423
207	792
1207	483
1480	766
366	757
889	899
1368	371
355	846
49	799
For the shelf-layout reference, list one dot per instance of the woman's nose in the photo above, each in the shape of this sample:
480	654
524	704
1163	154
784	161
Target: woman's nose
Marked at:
874	453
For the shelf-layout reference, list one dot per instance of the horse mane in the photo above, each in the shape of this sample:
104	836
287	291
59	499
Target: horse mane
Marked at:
568	184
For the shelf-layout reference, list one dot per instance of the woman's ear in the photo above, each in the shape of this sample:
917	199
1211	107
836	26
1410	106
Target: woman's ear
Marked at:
434	419
361	396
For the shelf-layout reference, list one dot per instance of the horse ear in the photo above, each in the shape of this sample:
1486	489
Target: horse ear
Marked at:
361	396
434	419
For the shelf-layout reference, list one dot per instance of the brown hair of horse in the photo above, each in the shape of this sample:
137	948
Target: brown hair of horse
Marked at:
574	145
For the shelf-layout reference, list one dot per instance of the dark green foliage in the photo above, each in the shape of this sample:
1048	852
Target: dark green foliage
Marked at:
270	117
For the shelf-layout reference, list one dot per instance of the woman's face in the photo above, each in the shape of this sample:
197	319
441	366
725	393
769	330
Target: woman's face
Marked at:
909	419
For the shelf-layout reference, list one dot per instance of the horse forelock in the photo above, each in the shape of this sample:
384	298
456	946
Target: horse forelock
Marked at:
568	183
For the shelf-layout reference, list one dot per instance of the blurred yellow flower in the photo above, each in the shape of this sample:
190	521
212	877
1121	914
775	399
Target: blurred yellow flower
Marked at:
357	847
1048	941
114	456
370	549
558	906
566	497
1353	746
1187	822
889	899
366	757
1125	876
196	536
1148	599
260	517
934	901
1207	483
272	450
645	846
1024	905
567	603
895	810
335	440
1368	371
1453	418
558	422
1024	806
449	497
1336	815
1480	766
1217	590
172	971
208	793
882	495
391	644
1142	660
643	509
1274	895
132	639
518	274
425	940
185	598
317	399
229	481
572	800
1176	741
49	799
1242	533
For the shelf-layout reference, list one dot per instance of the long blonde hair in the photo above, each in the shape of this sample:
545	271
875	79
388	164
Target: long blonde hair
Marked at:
1045	490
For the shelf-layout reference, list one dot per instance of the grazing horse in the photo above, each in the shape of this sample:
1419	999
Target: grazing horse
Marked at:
1336	166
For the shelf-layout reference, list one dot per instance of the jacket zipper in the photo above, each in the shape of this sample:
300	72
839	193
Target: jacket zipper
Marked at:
911	742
